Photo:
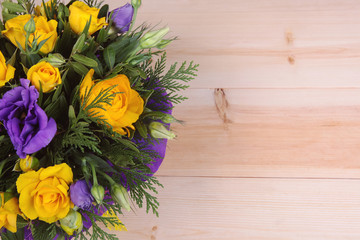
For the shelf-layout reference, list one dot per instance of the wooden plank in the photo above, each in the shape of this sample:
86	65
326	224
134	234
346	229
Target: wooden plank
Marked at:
240	208
267	132
261	44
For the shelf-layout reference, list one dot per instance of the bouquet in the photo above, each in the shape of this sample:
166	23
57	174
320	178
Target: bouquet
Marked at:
86	105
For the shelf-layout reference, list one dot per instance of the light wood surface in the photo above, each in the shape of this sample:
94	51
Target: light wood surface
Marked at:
271	145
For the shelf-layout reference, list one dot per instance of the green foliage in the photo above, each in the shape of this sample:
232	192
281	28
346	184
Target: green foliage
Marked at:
43	230
141	188
98	232
174	80
19	235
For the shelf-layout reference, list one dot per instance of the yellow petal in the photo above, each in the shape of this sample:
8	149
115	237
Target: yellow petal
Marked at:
25	179
11	222
10	72
62	171
86	84
26	201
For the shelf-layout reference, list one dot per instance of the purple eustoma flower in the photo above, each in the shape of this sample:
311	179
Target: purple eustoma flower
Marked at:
80	195
122	17
26	123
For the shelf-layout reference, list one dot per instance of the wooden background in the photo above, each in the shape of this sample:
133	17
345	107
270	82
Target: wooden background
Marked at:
271	145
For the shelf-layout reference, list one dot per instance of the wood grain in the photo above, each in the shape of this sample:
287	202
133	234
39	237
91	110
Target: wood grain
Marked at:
259	44
196	208
267	132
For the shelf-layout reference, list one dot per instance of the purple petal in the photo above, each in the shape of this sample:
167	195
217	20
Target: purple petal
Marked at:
42	138
80	194
122	17
42	118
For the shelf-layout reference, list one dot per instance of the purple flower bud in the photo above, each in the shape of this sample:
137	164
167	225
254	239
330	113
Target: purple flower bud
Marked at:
80	195
122	17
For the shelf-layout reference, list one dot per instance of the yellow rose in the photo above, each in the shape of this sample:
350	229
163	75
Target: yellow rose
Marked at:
124	109
80	14
46	74
6	71
44	193
8	213
14	31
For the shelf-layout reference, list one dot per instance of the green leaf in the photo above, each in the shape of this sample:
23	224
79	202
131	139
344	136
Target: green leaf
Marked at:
21	222
147	95
98	162
102	35
103	11
109	57
79	68
57	108
72	116
12	60
79	45
134	72
141	128
8	16
56	59
85	60
14	7
128	144
87	27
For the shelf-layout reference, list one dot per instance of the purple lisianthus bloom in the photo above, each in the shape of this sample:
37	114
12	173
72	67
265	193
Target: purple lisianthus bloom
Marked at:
122	17
80	195
26	123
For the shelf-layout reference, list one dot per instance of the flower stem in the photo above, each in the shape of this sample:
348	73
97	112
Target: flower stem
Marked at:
95	181
133	20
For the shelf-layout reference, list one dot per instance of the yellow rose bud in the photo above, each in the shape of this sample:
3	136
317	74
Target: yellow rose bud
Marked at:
80	14
8	213
6	71
125	107
44	193
15	32
46	74
72	222
29	163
